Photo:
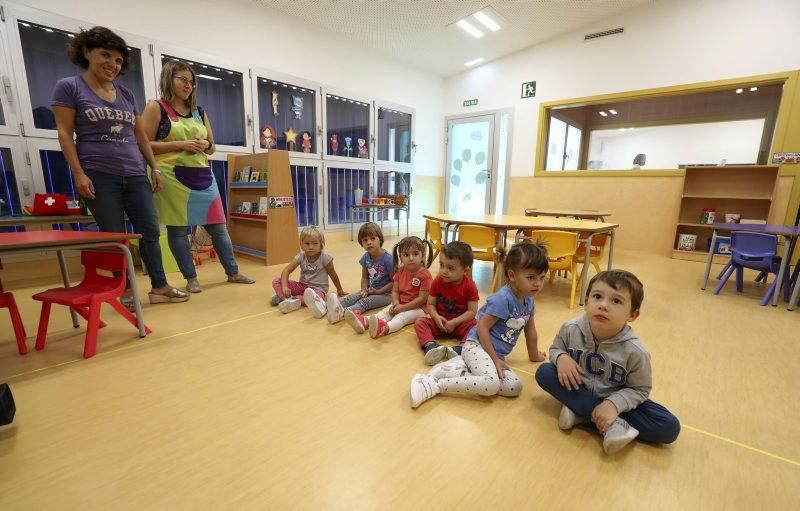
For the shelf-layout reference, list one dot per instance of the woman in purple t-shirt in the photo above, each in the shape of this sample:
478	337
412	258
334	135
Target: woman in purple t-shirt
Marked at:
106	156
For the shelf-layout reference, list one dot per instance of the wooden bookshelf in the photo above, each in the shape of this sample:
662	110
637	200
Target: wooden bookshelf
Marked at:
272	238
745	190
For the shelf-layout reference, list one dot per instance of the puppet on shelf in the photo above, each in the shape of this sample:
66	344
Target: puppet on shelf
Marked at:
268	138
334	144
306	143
362	148
297	106
275	103
348	149
291	135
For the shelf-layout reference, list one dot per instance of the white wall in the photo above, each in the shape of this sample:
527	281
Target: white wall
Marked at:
666	147
666	43
252	35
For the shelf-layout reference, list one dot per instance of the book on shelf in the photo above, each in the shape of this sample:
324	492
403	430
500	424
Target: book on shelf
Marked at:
263	205
245	208
254	176
244	176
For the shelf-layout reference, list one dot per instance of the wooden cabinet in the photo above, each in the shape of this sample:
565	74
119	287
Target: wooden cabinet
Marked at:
273	237
746	190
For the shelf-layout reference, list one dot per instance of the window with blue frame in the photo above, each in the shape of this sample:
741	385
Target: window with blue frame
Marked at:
58	179
9	195
45	56
287	117
304	179
348	127
220	93
341	184
394	135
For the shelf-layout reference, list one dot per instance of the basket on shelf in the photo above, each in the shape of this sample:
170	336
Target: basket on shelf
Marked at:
400	200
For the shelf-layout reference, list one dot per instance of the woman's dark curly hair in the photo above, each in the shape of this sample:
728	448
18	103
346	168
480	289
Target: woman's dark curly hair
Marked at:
97	37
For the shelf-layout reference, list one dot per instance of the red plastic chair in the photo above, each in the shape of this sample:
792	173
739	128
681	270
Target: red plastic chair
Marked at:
87	297
7	300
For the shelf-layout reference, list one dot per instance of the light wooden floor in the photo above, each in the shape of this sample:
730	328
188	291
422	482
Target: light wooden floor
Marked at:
230	405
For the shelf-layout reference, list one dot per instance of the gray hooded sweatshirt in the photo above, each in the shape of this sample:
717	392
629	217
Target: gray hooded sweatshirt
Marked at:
617	369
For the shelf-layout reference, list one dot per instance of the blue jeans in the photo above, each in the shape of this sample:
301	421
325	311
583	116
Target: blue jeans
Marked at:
179	246
116	196
654	422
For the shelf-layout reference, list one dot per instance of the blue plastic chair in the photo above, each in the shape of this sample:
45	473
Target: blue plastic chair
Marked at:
756	251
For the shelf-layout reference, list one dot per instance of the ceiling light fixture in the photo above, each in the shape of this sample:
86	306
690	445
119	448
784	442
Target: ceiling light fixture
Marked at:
612	111
753	89
208	77
604	114
468	28
474	61
739	91
486	21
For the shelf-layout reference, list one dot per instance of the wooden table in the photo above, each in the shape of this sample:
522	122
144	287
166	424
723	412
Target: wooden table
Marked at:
789	233
58	241
378	207
581	214
505	223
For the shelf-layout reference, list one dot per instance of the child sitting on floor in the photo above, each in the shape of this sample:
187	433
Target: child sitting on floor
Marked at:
315	267
600	371
452	303
377	268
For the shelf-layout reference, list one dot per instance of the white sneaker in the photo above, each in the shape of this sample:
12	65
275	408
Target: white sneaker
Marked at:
451	353
314	303
435	355
423	387
618	436
289	305
335	310
567	419
452	368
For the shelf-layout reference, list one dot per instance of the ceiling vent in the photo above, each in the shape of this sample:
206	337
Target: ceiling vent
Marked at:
604	33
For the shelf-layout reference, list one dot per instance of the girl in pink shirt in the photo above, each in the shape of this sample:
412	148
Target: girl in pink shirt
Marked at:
412	283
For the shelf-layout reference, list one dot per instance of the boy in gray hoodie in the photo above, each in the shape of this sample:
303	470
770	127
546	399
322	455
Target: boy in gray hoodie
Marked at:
600	371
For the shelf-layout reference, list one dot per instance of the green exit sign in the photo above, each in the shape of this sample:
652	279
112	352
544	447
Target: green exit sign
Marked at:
470	102
528	89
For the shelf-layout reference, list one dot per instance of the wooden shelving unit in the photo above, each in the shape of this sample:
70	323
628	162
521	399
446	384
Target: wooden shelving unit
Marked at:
746	190
271	238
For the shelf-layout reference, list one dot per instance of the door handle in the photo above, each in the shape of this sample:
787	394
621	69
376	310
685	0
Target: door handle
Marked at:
9	90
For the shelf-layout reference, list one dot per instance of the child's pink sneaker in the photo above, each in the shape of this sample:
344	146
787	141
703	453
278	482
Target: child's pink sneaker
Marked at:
356	320
377	327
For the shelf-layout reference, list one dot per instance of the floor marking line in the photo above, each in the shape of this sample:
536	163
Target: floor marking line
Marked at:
141	342
406	330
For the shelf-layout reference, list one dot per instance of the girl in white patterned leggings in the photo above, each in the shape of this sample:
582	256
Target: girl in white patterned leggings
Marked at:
500	322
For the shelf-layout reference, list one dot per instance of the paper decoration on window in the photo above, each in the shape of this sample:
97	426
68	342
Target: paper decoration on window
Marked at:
275	103
297	106
291	135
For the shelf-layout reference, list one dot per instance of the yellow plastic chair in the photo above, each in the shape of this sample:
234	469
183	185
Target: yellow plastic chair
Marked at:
484	241
433	233
596	249
561	247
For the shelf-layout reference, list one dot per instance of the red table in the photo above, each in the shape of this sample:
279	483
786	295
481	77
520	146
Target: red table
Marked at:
58	241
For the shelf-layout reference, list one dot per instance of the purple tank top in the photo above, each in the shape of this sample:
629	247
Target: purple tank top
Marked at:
105	139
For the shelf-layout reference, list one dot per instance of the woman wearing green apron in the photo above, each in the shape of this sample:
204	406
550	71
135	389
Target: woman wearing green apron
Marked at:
181	138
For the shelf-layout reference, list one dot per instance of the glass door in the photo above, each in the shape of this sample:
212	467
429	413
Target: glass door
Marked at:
8	100
15	183
470	150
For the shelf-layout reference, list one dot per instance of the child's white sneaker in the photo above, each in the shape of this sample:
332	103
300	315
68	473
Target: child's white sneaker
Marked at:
452	368
289	305
434	353
335	310
423	387
618	435
314	303
357	321
568	420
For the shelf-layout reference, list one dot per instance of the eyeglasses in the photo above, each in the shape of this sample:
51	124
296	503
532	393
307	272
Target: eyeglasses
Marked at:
185	81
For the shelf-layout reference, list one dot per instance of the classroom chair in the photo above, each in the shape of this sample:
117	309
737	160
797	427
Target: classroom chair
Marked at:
561	249
7	301
433	233
484	242
87	297
757	251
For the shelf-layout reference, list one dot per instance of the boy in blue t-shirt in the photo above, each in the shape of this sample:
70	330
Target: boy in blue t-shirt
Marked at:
377	268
